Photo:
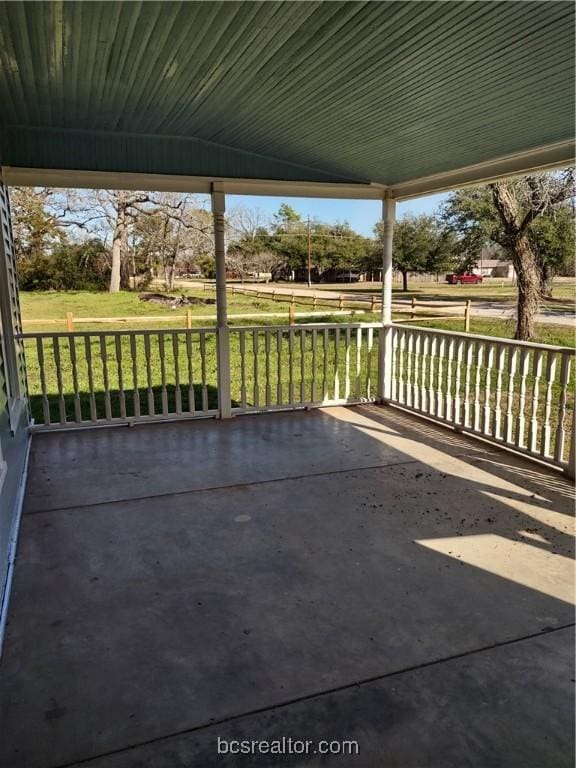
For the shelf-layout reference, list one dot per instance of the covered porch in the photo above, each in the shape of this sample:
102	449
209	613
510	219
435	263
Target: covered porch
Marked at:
369	566
340	574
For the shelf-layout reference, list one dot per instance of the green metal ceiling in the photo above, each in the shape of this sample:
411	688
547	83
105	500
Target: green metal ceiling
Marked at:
367	92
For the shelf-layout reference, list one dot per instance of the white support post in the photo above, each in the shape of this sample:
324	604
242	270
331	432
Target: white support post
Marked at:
223	333
385	343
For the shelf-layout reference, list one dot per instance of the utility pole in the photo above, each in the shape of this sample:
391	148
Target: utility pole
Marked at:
309	255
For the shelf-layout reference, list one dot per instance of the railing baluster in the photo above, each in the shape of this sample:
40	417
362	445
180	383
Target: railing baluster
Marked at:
448	400
279	367
336	364
560	428
477	383
533	430
424	373
302	365
431	374
58	364
409	356
149	381
121	395
416	372
74	367
521	421
189	360
347	364
488	389
468	381
500	365
203	370
394	371
314	361
440	378
268	387
458	381
369	353
291	366
105	378
176	352
162	354
509	421
135	389
256	382
325	348
45	402
401	367
359	337
546	426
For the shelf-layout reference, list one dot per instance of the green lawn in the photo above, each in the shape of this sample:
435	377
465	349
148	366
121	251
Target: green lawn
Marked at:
55	305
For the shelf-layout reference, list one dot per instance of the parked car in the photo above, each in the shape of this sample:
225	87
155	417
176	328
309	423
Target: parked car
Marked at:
465	277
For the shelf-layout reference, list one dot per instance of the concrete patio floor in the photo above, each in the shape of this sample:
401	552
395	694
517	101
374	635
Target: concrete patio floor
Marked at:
345	573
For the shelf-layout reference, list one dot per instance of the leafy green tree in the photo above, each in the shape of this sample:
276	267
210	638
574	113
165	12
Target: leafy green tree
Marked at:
69	267
532	219
421	244
36	228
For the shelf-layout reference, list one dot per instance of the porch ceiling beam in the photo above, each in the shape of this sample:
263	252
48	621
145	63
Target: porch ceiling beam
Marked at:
558	155
53	177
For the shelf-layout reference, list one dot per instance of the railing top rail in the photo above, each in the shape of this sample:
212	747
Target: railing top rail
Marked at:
491	339
114	332
312	326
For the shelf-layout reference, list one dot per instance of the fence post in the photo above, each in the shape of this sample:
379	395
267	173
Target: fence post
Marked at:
413	315
467	313
314	300
291	316
373	304
70	322
188	319
341	303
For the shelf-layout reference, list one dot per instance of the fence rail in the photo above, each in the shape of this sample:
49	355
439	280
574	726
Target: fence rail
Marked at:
515	394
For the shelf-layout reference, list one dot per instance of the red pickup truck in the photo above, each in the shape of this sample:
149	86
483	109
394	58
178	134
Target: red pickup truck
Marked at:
467	277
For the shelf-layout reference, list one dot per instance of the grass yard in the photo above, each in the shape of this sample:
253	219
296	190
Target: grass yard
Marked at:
55	305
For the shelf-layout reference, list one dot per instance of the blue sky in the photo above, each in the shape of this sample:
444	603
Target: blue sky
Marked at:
360	214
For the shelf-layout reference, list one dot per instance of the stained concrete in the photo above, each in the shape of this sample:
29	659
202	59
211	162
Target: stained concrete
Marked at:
398	583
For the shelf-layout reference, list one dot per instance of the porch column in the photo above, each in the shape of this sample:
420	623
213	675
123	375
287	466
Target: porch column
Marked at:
223	334
385	343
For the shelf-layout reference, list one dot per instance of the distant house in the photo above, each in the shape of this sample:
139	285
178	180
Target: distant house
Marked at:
493	263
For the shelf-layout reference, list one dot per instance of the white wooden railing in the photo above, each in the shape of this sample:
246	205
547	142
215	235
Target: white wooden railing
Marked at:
77	379
303	365
515	394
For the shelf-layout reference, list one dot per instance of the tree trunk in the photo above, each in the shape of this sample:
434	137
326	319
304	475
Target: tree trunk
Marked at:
546	277
528	277
523	258
118	247
404	281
